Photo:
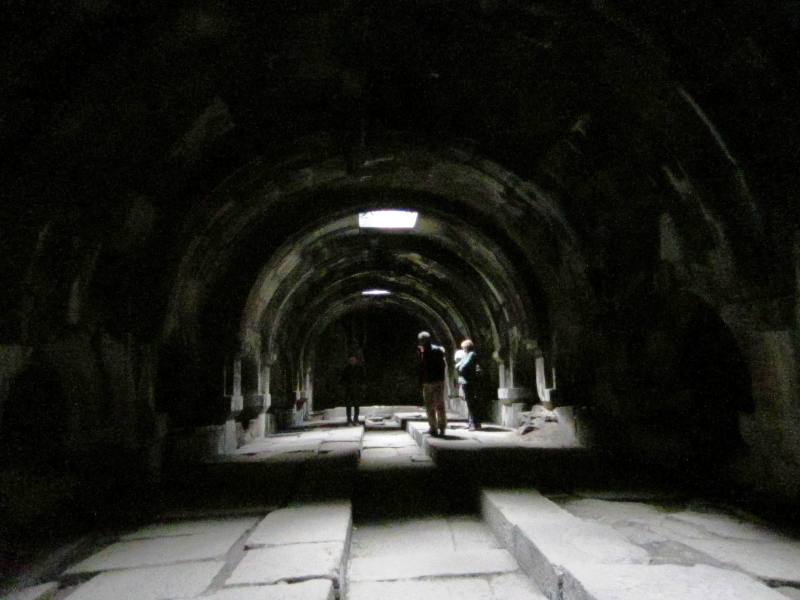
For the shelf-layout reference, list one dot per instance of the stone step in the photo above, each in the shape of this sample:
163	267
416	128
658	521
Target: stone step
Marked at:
575	559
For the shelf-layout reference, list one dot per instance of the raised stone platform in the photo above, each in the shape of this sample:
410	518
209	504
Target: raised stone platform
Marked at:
661	582
573	558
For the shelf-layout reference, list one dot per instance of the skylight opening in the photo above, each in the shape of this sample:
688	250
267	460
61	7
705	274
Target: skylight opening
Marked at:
375	292
388	219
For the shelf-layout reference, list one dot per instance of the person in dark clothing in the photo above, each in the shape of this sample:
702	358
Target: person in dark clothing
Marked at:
469	372
352	379
432	367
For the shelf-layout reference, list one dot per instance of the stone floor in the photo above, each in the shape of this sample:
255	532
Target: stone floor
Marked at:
388	513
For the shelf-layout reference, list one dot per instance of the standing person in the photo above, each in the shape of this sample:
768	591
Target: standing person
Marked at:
469	372
352	379
432	365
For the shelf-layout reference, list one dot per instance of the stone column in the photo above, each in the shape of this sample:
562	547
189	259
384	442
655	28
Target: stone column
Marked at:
512	399
253	415
263	388
236	403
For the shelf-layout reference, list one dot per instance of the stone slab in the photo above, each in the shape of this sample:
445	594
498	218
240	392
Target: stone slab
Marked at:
315	589
154	583
661	582
770	561
339	448
379	453
789	592
345	434
45	591
401	537
192	527
427	564
292	562
504	587
165	550
470	533
392	439
546	548
446	534
711	537
502	509
728	526
322	522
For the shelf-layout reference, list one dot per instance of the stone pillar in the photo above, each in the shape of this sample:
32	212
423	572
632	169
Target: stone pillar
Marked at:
236	400
253	415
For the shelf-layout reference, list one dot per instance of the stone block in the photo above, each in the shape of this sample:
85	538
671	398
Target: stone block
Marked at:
501	587
401	537
322	522
225	527
431	564
661	582
153	583
545	538
514	394
503	509
545	548
767	560
170	549
293	562
315	589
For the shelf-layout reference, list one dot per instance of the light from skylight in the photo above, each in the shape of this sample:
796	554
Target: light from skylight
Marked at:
388	219
375	292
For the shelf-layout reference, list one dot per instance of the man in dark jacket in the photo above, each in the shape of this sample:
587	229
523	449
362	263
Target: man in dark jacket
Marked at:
432	366
352	380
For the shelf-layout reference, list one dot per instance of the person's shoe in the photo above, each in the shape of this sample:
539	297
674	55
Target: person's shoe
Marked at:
472	428
432	432
441	433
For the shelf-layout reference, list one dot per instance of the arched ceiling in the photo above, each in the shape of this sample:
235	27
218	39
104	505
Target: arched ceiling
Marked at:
472	257
162	155
441	258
